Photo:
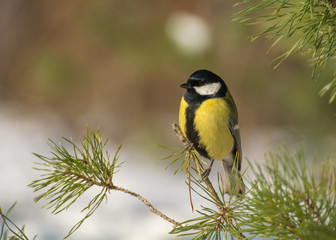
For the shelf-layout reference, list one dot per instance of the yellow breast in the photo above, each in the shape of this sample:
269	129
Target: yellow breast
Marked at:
211	123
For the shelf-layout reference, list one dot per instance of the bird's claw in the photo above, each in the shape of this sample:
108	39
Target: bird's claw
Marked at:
189	146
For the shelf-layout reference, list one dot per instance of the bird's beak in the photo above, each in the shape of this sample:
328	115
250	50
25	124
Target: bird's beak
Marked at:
186	85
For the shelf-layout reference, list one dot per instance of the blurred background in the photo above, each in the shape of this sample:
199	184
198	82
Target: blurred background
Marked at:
117	65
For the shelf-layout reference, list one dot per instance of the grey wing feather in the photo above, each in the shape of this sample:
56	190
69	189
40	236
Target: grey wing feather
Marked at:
234	128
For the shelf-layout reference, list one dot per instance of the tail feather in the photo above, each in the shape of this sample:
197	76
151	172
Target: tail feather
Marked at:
233	180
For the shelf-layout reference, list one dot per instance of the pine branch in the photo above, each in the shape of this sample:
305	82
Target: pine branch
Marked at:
310	23
287	199
213	224
291	200
8	224
69	175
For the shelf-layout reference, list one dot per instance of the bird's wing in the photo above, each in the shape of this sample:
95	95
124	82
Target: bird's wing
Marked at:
234	129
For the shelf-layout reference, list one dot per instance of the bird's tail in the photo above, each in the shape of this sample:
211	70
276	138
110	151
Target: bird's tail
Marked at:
233	180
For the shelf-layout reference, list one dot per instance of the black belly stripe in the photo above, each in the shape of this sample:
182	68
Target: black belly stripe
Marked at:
192	134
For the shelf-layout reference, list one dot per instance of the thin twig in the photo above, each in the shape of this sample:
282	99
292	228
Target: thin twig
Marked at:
145	201
110	186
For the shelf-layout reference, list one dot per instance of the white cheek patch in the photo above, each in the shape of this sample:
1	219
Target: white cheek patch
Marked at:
208	89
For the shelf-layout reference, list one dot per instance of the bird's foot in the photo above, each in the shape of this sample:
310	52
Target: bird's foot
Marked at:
205	174
189	146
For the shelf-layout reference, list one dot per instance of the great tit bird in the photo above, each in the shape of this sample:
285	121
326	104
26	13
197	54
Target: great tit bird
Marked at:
209	120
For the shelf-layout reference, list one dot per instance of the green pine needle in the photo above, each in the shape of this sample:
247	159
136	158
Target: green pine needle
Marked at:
66	175
183	154
291	198
9	225
310	23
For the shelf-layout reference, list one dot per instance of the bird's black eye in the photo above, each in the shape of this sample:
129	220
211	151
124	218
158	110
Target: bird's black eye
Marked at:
201	82
197	82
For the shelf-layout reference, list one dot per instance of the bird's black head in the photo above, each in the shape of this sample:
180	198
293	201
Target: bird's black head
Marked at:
204	84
